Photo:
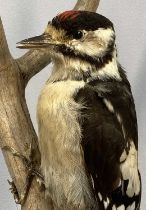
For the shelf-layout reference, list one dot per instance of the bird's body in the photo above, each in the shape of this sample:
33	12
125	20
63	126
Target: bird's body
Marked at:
86	118
63	162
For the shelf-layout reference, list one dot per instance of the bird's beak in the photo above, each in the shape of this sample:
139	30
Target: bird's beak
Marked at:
42	41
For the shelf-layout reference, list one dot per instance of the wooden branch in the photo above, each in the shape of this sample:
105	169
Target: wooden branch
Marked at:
16	129
33	62
90	5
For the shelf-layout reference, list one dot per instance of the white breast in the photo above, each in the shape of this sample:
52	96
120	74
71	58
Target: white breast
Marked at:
62	160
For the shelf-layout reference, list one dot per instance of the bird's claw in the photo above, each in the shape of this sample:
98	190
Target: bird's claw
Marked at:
20	199
17	154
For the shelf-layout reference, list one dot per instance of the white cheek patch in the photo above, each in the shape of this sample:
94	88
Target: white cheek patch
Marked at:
89	47
95	43
105	35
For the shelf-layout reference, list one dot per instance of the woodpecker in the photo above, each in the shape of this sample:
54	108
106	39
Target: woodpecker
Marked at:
86	115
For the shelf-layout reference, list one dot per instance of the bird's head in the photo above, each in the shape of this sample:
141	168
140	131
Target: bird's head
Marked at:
77	35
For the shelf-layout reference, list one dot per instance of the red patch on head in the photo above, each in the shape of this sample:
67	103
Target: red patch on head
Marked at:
68	14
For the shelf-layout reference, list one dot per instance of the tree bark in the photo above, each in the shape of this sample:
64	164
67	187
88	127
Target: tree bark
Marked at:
89	5
16	129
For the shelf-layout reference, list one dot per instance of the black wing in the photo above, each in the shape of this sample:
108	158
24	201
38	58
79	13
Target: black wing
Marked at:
109	127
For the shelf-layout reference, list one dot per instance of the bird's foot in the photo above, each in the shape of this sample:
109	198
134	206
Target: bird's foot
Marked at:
31	172
14	191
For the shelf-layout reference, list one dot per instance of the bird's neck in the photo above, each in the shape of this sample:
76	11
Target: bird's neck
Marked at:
76	69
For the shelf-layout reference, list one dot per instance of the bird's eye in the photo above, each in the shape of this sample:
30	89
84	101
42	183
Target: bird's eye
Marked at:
77	34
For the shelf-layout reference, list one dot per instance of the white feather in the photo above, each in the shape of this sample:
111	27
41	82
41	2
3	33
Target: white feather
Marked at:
94	43
109	105
131	207
129	171
122	207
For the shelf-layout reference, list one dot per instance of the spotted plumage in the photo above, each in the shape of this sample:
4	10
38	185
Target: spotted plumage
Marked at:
86	117
111	135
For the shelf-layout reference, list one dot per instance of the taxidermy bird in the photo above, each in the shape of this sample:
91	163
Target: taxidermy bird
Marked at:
86	117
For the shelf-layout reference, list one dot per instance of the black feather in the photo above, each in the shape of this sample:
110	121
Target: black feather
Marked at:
102	137
84	21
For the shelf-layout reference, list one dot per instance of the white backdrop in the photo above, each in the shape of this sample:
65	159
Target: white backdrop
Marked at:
25	18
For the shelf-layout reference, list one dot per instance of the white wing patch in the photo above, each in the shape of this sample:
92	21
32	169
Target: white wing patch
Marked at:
122	207
119	118
129	171
108	105
106	203
131	207
129	164
114	207
100	196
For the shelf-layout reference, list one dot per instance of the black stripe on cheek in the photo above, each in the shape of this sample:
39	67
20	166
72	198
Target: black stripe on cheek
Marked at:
98	62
